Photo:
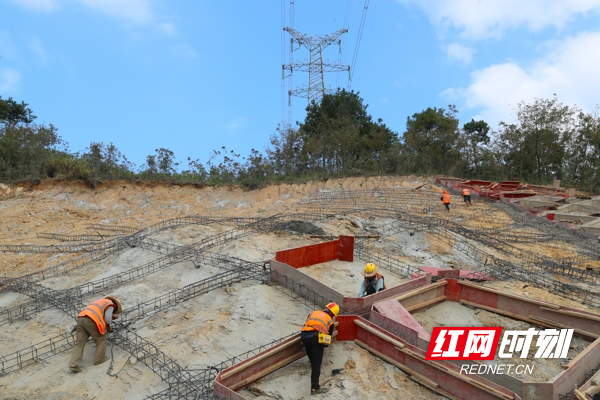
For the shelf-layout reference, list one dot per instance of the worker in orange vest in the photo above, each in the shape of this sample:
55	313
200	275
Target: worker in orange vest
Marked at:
466	193
373	282
94	321
445	199
318	324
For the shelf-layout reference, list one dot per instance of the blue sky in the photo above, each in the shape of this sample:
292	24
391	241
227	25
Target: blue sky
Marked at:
193	76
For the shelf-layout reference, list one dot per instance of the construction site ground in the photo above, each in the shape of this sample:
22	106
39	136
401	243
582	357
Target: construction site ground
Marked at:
231	319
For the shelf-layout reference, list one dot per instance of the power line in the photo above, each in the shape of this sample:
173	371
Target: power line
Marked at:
341	53
360	32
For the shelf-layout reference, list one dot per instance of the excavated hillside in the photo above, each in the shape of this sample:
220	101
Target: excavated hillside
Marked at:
189	266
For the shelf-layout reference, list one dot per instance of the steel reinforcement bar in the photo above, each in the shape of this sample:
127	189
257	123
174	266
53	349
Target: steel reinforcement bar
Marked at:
62	268
114	228
74	238
176	255
208	374
126	242
505	270
536	261
104	285
63	342
167	300
384	261
522	219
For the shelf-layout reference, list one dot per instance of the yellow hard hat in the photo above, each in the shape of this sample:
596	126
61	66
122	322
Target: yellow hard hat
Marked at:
370	270
334	308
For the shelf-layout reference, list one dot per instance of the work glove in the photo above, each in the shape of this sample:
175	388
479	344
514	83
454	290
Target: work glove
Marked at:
109	328
115	317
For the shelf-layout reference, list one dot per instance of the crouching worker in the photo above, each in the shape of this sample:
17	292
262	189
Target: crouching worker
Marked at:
94	321
373	282
315	335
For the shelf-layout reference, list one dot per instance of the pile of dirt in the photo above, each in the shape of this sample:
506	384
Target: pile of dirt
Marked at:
302	227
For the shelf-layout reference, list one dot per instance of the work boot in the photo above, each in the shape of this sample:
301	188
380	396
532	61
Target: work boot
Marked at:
75	369
100	361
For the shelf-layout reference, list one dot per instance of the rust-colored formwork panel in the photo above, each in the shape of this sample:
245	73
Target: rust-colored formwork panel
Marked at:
280	272
254	368
585	323
579	367
402	331
346	248
441	376
454	291
356	303
347	328
393	310
423	296
309	255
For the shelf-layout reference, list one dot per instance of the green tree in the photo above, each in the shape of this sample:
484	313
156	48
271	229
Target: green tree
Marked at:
533	148
338	136
582	152
106	161
475	137
12	113
24	150
285	155
161	163
431	141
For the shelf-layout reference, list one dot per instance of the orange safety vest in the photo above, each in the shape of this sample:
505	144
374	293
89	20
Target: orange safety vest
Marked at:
377	278
445	198
466	192
318	321
95	311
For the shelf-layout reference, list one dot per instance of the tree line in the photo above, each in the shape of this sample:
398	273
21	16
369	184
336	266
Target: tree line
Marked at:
549	140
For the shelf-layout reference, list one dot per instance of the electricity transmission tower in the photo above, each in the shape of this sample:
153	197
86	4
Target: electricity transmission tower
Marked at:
315	65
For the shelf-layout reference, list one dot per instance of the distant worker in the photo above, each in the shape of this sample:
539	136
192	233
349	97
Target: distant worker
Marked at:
316	334
94	321
445	199
466	193
373	282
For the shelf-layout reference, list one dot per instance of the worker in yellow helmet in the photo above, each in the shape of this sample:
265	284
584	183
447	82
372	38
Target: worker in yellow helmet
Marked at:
373	282
315	335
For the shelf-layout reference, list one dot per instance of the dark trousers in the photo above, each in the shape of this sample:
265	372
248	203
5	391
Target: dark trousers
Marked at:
314	351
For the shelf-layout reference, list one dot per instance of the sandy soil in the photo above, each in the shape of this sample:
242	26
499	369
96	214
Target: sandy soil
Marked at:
364	376
227	321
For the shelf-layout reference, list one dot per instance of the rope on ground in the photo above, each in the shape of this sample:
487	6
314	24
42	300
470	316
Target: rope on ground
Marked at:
112	360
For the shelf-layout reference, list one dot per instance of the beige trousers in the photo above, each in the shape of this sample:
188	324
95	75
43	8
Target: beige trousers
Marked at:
86	328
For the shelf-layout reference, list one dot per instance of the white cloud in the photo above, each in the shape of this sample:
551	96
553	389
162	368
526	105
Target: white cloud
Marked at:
8	49
236	124
183	51
458	52
139	12
9	80
479	19
570	70
35	47
38	5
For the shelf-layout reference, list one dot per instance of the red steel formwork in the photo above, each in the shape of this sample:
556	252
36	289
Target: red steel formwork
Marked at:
393	334
504	190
